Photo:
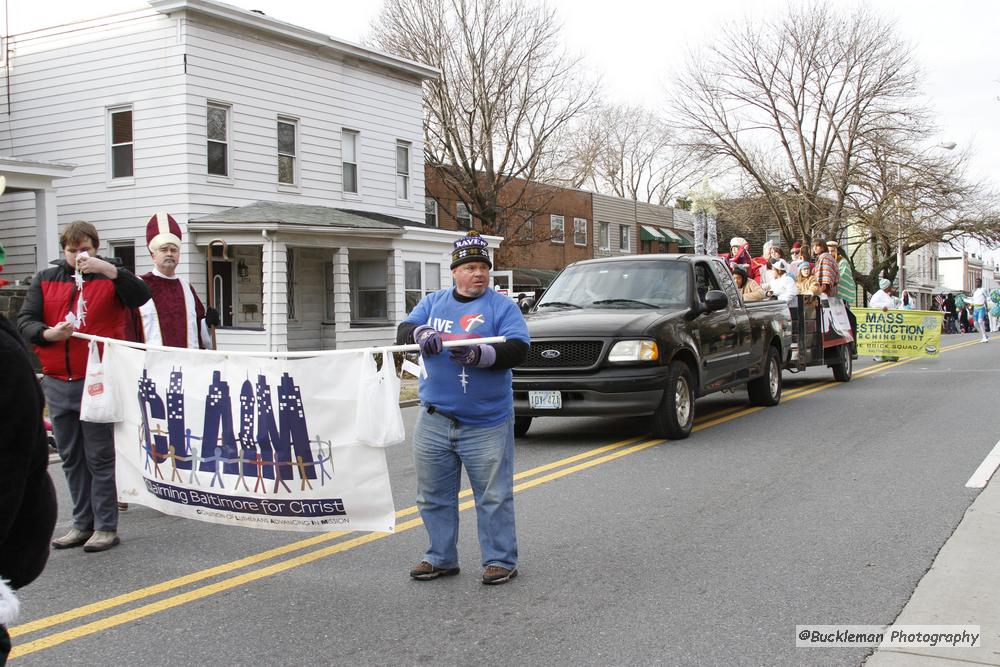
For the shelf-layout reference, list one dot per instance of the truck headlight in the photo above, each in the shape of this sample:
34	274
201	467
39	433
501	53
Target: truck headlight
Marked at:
634	350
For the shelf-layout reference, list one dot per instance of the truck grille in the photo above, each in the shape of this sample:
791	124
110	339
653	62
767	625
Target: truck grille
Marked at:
572	354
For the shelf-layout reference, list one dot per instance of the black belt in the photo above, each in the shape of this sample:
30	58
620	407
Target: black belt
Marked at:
431	410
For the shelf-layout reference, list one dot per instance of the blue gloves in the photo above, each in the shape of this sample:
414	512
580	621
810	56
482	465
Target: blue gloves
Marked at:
428	339
480	356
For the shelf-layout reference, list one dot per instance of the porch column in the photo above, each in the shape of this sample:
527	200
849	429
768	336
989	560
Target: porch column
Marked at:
276	295
46	227
395	298
341	292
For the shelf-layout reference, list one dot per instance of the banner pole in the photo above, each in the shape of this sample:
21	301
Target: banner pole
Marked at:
290	355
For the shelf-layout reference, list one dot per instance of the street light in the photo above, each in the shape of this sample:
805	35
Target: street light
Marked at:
900	256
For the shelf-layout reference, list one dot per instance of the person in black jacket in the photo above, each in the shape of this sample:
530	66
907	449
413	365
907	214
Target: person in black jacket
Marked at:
27	497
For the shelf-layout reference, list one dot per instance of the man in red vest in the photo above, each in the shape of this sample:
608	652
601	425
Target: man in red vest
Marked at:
91	295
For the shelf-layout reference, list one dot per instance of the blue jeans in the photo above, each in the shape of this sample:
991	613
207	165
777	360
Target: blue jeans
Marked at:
440	449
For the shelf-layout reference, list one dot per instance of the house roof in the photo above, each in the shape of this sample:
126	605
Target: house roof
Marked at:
21	175
264	23
272	213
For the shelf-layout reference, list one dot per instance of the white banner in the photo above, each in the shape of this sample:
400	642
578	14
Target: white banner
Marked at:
251	441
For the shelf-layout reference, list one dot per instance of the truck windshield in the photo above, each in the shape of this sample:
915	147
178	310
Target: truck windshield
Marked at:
632	285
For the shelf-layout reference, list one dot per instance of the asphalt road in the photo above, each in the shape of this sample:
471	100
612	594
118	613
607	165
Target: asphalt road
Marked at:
825	509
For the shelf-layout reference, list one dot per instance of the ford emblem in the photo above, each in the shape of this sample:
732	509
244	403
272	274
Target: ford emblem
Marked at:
550	354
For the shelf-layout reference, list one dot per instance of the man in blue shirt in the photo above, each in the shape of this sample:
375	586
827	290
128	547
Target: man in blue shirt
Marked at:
467	414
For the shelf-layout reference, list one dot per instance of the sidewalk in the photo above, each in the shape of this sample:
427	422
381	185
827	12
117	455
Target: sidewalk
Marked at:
961	587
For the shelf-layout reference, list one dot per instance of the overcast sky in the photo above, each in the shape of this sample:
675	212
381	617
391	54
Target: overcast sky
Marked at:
634	44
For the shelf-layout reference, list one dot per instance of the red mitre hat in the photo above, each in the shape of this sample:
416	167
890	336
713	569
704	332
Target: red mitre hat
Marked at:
162	228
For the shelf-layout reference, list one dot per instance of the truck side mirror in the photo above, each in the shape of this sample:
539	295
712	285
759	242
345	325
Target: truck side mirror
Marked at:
716	300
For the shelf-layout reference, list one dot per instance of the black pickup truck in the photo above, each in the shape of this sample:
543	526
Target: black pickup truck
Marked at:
647	335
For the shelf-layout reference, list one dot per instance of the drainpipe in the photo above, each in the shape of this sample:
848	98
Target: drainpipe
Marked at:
270	288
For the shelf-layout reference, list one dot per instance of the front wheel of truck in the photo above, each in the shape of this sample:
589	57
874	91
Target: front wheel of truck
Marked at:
521	426
675	414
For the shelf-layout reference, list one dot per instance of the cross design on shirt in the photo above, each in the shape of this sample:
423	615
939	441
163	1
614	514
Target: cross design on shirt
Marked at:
463	377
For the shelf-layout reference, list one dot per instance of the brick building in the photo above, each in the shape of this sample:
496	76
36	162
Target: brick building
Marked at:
553	227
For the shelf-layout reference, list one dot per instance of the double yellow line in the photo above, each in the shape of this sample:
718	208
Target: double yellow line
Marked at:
524	480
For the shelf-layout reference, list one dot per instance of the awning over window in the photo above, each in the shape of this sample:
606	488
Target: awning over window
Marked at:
647	233
686	241
672	236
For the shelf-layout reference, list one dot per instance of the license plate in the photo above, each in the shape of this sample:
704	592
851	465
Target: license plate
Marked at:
545	400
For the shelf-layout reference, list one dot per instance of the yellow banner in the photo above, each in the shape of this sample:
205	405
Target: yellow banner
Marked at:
899	333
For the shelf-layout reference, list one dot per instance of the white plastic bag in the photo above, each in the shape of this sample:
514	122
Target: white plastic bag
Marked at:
99	404
379	419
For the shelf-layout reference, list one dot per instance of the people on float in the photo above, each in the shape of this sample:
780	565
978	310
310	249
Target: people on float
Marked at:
739	253
805	282
798	259
846	287
826	272
759	268
782	285
748	287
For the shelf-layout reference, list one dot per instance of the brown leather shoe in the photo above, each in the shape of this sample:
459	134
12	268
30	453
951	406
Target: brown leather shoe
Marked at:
102	540
74	538
424	571
494	574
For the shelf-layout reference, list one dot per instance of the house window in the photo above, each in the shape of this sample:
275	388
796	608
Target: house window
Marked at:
625	238
411	284
287	131
292	279
527	229
579	231
419	282
402	170
604	242
217	136
369	280
121	142
557	226
431	212
462	216
126	253
349	160
432	277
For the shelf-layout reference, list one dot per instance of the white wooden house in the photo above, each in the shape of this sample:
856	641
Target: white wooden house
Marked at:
302	152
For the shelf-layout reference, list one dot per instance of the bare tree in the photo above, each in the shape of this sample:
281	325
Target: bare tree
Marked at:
904	196
506	91
629	152
790	102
